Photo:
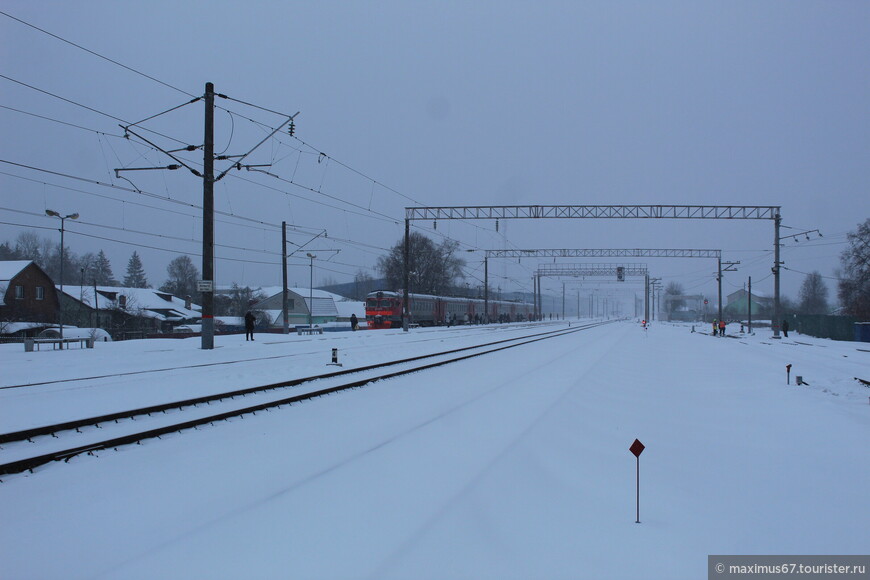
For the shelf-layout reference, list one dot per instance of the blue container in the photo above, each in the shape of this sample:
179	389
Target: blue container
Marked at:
862	332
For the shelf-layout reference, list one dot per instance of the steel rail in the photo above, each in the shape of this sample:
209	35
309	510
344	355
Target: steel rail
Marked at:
44	430
29	463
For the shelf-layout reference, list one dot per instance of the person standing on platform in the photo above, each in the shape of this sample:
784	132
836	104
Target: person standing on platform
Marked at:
249	325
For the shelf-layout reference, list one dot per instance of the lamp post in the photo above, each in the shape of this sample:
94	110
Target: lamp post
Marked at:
311	291
62	218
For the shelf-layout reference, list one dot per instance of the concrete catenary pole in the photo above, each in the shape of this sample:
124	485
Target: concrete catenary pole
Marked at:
485	290
406	311
646	298
285	293
749	305
777	221
719	280
208	221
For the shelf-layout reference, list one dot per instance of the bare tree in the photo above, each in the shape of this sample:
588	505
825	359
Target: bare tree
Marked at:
241	298
432	269
28	244
183	275
362	285
854	286
674	289
813	295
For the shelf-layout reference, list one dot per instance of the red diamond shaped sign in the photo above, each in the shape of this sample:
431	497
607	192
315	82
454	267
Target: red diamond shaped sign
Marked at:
637	448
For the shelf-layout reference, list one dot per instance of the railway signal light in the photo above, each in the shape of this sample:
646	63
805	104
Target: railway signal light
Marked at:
620	274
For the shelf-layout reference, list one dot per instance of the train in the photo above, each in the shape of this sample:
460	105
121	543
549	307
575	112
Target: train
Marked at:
384	310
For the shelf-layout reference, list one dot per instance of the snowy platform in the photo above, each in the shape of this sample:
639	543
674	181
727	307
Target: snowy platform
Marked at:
512	465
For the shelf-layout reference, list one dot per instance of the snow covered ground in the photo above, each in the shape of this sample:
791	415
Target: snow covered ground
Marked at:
512	465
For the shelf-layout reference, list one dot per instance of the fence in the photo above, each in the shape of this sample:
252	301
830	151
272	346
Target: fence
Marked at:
824	326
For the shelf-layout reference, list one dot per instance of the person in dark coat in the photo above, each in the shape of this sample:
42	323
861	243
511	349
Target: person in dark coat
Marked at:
785	328
353	322
249	325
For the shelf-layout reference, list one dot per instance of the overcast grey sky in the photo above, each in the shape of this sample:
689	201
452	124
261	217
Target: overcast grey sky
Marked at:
442	103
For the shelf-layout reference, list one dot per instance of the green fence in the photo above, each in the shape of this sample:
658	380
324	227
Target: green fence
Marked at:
824	326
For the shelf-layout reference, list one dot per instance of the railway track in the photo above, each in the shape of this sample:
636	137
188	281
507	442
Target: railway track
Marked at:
41	445
480	331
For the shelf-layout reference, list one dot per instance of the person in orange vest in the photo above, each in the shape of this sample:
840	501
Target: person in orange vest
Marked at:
721	328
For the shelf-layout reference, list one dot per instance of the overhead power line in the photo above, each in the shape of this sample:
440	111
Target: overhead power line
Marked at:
141	192
195	98
59	121
70	101
98	55
83	106
260	224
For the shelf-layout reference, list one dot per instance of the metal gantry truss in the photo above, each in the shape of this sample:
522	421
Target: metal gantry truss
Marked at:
593	212
591	270
740	212
578	270
610	253
604	253
595	253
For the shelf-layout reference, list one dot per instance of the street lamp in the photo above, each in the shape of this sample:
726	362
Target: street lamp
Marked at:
311	290
72	216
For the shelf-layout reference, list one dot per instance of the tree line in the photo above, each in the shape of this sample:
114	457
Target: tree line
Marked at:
79	270
853	283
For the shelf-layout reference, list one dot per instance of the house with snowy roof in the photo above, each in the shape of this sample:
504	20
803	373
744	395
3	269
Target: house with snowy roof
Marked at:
27	294
134	311
300	302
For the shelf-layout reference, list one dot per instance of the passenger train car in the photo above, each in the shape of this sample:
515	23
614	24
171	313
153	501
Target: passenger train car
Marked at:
384	310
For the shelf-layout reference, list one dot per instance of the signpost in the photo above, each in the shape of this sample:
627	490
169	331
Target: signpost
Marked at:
637	448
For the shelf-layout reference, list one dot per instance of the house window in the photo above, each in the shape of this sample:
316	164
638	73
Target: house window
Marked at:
40	292
19	292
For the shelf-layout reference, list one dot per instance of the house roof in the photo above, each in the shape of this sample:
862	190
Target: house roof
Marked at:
11	268
271	291
147	301
318	302
755	294
345	309
8	270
